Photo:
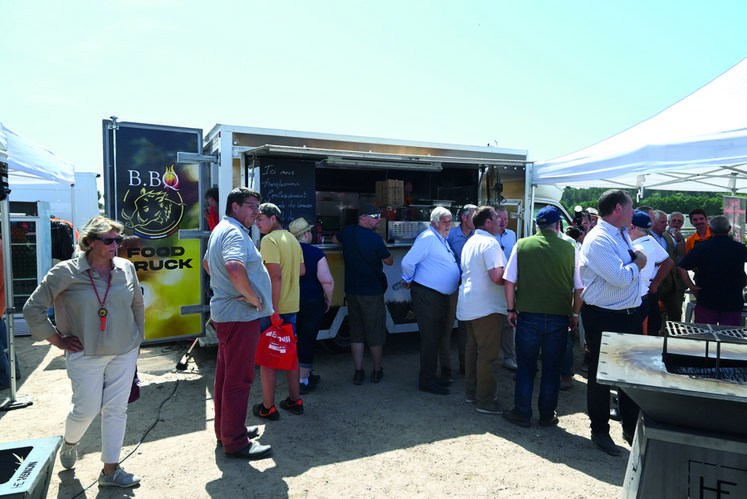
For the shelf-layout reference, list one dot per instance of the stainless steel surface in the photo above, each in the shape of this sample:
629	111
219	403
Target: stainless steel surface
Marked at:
634	363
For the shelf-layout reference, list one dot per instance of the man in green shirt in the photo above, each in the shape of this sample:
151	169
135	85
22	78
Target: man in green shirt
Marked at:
542	284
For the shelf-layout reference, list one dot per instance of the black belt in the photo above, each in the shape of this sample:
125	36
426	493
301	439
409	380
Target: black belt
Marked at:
625	311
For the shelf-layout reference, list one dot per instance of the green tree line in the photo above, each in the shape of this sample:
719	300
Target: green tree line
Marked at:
667	201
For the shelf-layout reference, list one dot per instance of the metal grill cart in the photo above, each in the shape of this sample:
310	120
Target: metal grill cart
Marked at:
691	438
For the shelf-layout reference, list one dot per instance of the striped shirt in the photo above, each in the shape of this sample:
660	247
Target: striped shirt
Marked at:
608	273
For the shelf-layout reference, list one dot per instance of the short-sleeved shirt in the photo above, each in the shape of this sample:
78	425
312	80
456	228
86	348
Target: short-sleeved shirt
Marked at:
479	296
230	240
363	251
311	288
281	247
457	240
720	262
655	255
507	240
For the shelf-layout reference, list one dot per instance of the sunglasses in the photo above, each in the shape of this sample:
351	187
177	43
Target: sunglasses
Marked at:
109	240
375	217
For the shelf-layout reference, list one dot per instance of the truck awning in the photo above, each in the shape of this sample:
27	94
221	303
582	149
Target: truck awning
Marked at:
336	158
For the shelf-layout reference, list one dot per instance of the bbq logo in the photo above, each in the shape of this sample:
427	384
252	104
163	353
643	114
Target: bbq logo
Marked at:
152	206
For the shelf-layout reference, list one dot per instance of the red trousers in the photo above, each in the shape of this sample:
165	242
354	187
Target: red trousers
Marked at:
234	375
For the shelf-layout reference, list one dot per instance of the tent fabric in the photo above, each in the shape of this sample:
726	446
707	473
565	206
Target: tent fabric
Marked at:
28	160
697	144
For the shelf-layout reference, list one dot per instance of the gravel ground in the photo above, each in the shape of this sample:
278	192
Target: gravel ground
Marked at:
374	440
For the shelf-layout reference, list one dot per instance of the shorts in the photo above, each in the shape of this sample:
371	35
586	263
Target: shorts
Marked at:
367	319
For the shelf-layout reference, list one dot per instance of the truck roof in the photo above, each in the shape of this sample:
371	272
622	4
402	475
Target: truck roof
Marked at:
252	137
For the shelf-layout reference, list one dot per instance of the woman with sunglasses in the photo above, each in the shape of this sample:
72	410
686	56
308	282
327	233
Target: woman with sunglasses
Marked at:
100	324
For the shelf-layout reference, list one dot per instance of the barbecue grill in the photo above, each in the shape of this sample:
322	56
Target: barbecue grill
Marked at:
691	439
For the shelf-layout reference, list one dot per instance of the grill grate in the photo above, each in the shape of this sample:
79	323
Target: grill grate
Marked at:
706	366
707	332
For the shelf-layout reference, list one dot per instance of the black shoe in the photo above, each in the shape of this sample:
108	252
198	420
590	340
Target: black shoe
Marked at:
514	418
252	451
251	432
306	388
271	413
446	376
549	422
377	375
434	388
314	379
293	406
615	415
358	377
443	382
604	442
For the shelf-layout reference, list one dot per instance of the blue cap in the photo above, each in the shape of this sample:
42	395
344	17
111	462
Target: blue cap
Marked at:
548	215
641	219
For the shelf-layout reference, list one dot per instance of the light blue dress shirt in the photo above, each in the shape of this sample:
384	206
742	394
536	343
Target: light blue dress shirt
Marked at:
431	263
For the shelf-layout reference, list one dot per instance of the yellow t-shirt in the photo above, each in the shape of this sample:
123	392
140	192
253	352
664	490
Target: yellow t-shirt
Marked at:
279	246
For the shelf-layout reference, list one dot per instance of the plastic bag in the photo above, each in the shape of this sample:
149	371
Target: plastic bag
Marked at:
277	346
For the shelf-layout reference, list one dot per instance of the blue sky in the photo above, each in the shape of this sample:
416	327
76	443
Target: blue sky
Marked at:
546	76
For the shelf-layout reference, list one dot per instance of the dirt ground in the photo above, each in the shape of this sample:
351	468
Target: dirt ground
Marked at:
375	440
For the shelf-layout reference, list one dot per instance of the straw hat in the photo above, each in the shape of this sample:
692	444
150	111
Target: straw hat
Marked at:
299	226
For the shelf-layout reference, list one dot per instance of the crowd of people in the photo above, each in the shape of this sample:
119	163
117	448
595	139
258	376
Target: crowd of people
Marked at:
523	298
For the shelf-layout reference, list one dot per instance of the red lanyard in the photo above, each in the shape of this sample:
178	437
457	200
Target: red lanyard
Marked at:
102	309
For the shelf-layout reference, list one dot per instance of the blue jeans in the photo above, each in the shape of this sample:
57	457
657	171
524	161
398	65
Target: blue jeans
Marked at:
266	322
566	365
534	333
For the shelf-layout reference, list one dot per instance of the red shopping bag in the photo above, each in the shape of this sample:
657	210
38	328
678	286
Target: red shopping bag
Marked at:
277	346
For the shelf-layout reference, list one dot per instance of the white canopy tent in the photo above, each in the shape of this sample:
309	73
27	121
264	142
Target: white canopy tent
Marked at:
697	144
26	162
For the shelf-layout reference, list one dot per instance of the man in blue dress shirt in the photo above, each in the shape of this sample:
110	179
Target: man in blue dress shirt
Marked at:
431	272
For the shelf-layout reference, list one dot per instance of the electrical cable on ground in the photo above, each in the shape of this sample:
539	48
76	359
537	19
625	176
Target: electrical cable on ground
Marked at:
142	439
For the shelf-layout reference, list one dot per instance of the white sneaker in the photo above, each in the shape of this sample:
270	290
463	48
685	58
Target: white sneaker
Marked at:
510	364
118	478
68	455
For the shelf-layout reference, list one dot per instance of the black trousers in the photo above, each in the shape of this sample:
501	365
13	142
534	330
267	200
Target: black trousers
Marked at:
432	311
596	321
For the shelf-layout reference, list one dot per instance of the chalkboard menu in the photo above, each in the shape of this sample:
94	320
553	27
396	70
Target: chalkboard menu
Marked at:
290	184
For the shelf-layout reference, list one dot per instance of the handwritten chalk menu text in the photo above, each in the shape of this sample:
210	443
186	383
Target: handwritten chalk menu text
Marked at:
289	183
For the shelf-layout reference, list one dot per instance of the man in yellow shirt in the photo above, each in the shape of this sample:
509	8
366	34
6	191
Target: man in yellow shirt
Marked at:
283	259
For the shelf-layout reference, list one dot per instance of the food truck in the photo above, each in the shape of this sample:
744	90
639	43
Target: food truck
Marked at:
155	177
325	178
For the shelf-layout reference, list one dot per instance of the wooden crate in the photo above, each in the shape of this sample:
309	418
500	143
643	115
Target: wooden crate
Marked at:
390	193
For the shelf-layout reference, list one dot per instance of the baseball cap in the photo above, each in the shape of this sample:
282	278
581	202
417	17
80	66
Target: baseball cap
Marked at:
368	209
548	215
641	219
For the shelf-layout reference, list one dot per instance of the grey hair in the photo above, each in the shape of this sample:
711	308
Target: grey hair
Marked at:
659	213
466	210
719	225
438	212
94	227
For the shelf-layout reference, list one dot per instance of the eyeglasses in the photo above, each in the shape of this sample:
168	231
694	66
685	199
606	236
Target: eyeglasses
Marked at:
109	240
375	217
253	206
